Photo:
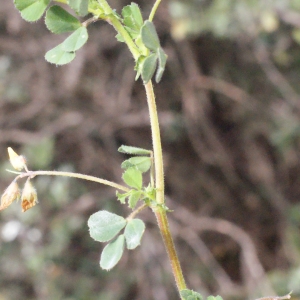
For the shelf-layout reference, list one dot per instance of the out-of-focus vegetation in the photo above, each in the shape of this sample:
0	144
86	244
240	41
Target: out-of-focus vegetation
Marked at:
229	108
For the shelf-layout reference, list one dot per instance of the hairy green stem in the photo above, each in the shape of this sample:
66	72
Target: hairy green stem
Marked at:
153	11
156	140
75	175
105	6
136	211
113	20
160	211
163	224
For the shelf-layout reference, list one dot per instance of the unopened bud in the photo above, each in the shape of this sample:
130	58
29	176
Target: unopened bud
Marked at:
17	161
11	194
29	196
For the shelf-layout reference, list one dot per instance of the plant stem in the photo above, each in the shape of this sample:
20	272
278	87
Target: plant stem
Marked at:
105	6
113	20
137	211
75	175
153	11
163	224
156	140
159	210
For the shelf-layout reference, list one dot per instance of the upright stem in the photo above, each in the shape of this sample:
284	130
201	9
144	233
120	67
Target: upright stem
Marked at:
159	210
157	149
163	224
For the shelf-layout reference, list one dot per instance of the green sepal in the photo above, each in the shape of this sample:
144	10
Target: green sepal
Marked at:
58	56
31	10
59	20
112	253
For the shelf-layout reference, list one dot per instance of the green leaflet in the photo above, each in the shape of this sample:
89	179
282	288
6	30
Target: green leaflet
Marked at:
76	40
65	52
31	10
142	163
133	19
59	20
148	67
112	253
149	36
80	6
134	150
162	60
58	56
104	225
134	231
133	178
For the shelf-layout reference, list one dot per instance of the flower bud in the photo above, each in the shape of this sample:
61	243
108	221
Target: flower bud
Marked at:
17	161
29	196
11	194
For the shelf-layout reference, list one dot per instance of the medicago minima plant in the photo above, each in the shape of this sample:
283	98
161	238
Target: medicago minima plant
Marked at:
142	40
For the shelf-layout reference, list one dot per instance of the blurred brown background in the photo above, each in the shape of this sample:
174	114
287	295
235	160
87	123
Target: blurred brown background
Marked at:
229	106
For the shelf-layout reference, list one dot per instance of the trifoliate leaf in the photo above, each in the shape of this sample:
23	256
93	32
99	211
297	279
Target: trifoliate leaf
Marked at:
134	231
58	56
59	20
76	40
112	253
133	19
104	225
31	10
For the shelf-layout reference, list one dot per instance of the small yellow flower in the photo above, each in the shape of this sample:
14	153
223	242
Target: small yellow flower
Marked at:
29	196
11	194
17	161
